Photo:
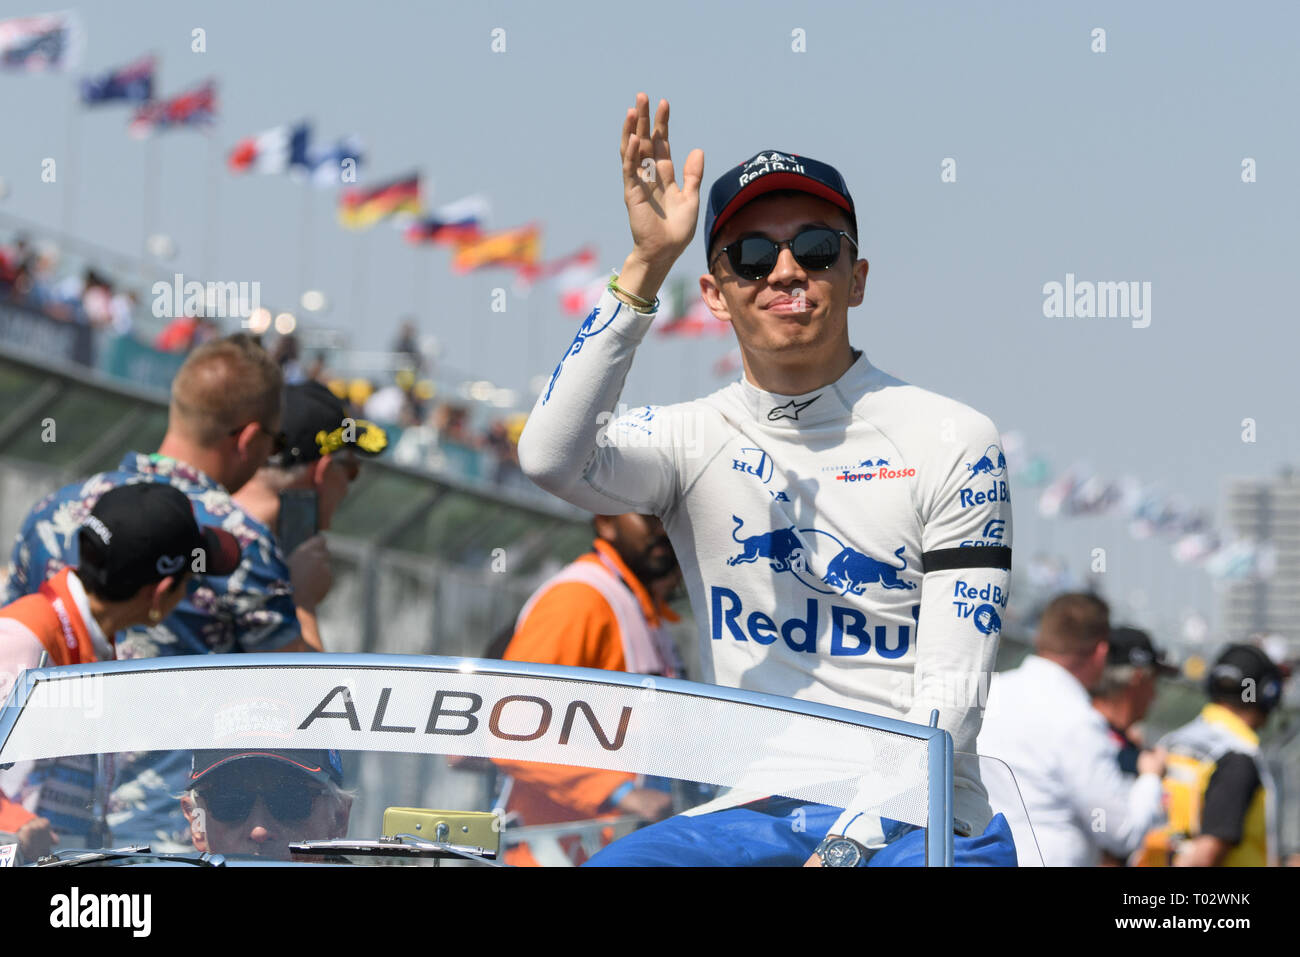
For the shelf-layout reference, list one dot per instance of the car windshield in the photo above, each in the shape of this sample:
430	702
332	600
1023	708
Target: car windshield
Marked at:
394	760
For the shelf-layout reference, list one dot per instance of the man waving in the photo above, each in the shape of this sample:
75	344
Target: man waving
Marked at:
824	513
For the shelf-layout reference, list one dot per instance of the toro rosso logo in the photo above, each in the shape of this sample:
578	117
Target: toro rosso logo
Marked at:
796	551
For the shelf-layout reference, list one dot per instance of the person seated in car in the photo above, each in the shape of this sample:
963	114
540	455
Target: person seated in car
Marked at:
254	802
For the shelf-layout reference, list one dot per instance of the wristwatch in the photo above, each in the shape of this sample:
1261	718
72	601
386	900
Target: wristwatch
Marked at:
841	852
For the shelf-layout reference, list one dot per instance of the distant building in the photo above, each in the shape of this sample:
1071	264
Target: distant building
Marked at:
1268	511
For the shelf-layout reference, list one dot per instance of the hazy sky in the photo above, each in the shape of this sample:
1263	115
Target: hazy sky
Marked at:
1117	166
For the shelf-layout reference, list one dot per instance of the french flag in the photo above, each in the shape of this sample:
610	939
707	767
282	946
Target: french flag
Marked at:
274	151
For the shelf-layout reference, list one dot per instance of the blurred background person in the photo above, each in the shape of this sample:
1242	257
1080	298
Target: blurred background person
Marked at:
1041	722
597	612
287	355
1123	696
1127	688
1218	791
323	446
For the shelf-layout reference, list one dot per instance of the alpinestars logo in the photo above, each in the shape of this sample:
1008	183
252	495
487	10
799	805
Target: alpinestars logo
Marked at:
790	410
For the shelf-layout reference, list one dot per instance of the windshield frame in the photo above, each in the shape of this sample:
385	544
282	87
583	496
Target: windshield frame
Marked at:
939	744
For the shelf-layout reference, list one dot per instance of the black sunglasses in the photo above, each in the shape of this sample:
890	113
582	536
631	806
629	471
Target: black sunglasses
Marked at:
815	248
279	441
287	801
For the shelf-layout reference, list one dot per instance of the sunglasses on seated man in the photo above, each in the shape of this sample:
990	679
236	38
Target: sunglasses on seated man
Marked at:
289	797
815	248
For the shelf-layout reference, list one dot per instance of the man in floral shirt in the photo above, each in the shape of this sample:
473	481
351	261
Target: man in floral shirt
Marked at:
224	422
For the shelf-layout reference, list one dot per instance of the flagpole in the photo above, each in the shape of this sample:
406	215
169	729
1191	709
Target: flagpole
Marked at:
304	240
149	198
71	166
212	214
416	276
358	280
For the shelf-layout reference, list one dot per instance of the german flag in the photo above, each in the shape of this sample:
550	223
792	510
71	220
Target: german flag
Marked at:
362	208
517	248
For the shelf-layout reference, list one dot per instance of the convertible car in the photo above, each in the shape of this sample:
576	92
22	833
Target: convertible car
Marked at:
400	760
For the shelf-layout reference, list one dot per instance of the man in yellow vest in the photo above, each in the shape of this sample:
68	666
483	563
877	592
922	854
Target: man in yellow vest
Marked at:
1218	793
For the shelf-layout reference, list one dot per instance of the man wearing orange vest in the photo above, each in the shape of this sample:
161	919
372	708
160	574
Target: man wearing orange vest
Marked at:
137	550
603	610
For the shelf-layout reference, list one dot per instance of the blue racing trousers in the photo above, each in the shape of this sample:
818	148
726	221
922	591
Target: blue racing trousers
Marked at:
783	832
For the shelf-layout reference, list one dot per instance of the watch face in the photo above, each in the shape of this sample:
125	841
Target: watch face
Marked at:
841	854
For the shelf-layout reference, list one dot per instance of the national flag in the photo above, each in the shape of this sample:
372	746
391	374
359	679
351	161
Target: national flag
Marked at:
132	83
511	248
274	151
51	41
1054	500
196	107
454	223
327	167
579	290
583	258
698	321
362	208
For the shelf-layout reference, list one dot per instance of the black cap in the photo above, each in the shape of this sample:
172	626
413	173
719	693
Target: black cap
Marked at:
1132	646
143	532
767	172
1239	664
316	424
321	766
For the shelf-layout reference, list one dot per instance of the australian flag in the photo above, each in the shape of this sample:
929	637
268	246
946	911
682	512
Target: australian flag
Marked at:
132	83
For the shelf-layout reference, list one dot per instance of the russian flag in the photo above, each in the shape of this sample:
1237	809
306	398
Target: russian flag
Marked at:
455	223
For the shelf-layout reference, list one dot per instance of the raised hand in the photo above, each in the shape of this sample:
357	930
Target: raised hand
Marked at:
662	215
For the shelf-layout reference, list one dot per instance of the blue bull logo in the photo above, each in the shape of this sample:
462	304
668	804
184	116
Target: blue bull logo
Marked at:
992	462
851	571
782	548
787	550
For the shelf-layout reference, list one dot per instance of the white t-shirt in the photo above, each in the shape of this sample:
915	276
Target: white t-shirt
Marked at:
1041	722
802	525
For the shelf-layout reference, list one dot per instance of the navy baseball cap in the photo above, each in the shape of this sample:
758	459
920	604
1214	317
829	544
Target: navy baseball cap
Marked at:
767	172
1133	646
1239	663
143	532
319	765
